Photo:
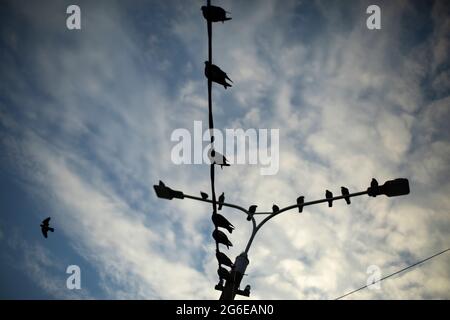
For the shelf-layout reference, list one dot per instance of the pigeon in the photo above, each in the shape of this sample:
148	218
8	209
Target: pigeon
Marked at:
251	212
215	14
204	195
222	222
300	202
217	158
223	259
221	200
275	208
223	273
373	190
345	193
220	237
45	227
328	195
215	74
374	183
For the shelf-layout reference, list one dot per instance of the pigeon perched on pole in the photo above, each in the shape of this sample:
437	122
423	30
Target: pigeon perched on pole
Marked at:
329	195
220	237
45	227
215	74
223	273
217	158
221	200
345	193
223	259
215	14
222	222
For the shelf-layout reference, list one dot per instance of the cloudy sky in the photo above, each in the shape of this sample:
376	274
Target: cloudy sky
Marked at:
86	118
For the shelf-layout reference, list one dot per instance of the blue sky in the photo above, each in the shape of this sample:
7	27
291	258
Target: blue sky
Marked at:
86	118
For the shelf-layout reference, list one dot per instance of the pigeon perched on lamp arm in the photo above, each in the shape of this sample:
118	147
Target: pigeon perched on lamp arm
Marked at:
329	195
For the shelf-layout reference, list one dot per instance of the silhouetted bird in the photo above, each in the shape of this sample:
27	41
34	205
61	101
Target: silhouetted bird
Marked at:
300	202
215	74
45	227
204	195
215	14
217	158
374	183
223	273
222	222
223	259
221	200
251	212
328	195
275	208
345	193
220	237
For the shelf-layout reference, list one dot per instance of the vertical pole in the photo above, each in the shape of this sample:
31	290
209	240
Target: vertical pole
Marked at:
237	273
211	120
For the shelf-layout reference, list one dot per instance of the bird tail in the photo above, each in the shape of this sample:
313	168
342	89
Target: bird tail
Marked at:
51	229
220	206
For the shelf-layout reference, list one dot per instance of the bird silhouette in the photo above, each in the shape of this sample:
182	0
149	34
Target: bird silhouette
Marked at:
223	273
222	222
223	259
329	195
215	14
275	208
221	200
204	195
300	202
374	183
45	227
251	212
345	193
217	158
215	74
221	238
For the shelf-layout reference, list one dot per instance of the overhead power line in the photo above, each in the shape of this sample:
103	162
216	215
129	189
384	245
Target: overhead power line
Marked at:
395	273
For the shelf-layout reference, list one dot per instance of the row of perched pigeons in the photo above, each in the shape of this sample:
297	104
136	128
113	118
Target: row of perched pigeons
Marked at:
214	74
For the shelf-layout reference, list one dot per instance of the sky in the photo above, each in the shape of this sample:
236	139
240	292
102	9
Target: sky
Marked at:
86	118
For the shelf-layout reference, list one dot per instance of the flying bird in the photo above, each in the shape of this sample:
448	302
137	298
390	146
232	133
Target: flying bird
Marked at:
251	212
329	195
221	200
45	227
220	237
223	273
215	74
215	14
300	202
204	195
217	158
275	208
345	193
223	259
222	222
